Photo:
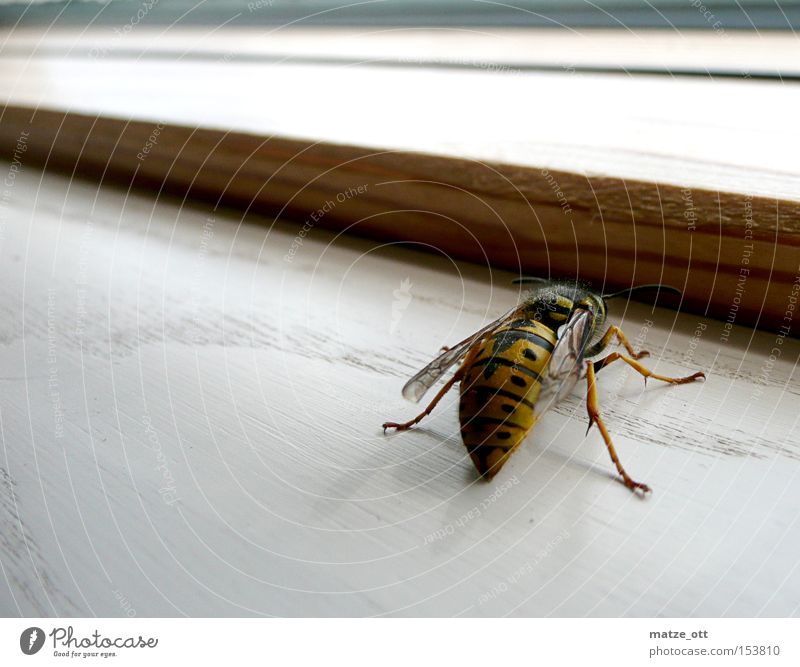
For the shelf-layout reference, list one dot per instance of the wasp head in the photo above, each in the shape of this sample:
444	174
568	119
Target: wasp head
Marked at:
552	302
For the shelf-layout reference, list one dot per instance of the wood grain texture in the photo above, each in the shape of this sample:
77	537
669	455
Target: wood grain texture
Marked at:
616	179
735	255
190	421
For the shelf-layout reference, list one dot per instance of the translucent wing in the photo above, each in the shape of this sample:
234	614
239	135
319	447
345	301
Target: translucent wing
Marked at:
565	367
418	385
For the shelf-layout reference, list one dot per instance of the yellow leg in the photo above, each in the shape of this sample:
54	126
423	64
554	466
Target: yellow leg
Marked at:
622	339
447	387
645	372
407	425
594	418
594	411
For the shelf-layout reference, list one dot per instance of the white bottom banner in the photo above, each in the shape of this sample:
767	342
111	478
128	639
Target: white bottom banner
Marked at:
400	642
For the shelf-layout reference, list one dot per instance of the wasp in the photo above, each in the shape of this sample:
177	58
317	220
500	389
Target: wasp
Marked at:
516	368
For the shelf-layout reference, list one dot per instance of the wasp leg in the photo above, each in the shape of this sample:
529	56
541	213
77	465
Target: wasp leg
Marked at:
594	418
407	425
622	339
458	376
645	372
594	412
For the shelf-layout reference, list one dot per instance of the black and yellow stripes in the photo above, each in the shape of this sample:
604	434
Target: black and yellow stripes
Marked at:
504	363
499	389
561	308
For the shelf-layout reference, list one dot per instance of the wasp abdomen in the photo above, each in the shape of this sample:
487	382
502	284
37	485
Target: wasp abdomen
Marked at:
499	391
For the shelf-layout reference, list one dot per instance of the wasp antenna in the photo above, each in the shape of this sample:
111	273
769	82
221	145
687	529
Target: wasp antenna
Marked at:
641	288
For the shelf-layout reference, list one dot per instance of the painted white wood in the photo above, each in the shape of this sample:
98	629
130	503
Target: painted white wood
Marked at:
190	424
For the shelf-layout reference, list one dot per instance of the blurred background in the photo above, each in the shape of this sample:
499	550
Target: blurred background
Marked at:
668	14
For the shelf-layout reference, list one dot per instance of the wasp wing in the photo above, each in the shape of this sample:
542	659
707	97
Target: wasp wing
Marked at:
565	367
418	385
